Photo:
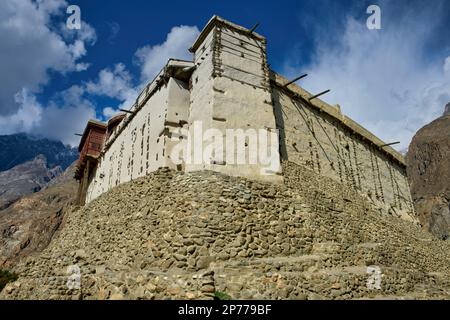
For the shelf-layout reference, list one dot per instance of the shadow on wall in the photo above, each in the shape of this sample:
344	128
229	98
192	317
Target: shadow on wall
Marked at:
280	115
279	120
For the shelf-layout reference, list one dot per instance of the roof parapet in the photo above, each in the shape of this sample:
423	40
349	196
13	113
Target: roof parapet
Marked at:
176	68
216	20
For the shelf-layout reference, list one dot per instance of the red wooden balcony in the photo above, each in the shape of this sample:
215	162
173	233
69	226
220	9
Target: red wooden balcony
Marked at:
91	144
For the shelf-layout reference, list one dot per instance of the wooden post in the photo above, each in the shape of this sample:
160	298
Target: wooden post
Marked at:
80	186
85	182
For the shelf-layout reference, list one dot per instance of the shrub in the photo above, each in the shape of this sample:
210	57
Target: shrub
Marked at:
6	277
218	295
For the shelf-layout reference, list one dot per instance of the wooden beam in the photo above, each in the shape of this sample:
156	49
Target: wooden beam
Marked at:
127	111
84	185
296	79
319	94
389	144
254	28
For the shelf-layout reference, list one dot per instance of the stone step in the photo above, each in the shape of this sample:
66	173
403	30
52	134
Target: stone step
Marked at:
326	247
271	264
412	295
305	275
335	247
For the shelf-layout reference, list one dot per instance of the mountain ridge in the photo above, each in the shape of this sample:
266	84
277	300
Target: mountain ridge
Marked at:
26	178
429	174
28	225
18	148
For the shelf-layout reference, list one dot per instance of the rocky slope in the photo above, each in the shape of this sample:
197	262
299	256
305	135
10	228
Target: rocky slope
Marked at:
28	164
19	148
187	236
429	174
25	179
27	226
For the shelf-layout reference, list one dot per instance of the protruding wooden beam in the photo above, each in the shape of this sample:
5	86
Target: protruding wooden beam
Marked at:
127	111
254	28
389	144
319	94
296	79
78	134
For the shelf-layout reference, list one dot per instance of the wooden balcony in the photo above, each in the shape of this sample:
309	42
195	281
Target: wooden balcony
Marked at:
91	145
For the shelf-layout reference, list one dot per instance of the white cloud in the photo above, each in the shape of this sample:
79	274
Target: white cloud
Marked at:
27	116
152	58
447	64
114	83
31	47
68	112
380	78
67	116
117	82
109	112
60	120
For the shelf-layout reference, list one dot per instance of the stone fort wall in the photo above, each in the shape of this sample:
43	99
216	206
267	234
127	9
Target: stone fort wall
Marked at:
231	90
318	136
141	144
229	86
174	235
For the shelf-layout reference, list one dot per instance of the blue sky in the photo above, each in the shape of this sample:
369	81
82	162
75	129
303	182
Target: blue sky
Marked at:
392	81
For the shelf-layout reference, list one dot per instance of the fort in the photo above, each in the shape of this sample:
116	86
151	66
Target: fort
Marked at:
229	85
325	213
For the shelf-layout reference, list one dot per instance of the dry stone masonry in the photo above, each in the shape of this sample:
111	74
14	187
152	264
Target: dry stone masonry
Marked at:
174	235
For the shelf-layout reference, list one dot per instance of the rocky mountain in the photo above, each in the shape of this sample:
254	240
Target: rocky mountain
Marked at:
25	179
200	235
447	110
20	148
28	225
28	164
429	174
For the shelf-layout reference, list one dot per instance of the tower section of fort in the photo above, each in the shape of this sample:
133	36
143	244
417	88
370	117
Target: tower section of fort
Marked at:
231	94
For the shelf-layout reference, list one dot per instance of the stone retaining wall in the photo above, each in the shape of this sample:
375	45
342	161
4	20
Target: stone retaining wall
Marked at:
174	235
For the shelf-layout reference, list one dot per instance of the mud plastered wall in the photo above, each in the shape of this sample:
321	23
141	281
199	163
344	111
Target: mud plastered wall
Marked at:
230	90
144	144
318	141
